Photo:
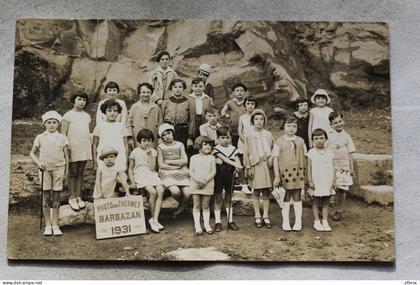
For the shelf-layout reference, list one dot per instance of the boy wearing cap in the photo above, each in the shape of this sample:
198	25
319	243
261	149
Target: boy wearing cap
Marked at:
203	72
53	162
108	175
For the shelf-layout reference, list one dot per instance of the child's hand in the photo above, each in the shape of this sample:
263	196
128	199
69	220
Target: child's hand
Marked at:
311	192
127	193
41	166
270	161
276	182
249	173
190	143
148	150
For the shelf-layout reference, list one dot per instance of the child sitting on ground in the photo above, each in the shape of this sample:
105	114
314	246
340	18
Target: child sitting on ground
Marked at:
109	176
53	163
226	163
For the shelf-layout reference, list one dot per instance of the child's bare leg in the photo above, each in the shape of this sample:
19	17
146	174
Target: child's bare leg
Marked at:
152	199
266	202
197	213
80	169
325	205
205	204
341	198
186	197
159	201
73	182
122	179
46	204
256	203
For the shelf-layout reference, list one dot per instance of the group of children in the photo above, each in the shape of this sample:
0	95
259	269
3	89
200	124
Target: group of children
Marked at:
169	141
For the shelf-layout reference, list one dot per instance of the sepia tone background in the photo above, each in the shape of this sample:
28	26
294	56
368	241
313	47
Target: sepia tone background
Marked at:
368	11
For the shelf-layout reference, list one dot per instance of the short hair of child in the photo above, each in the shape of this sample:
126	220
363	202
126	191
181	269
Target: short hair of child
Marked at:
145	134
251	99
162	53
80	94
290	119
212	110
112	84
258	112
333	115
110	103
319	132
197	80
239	85
222	131
177	80
301	100
148	86
199	141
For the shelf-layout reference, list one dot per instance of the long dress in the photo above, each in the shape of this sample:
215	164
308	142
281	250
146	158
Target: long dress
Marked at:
292	162
112	134
78	135
322	171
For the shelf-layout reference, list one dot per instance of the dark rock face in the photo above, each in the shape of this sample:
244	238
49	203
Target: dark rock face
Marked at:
278	61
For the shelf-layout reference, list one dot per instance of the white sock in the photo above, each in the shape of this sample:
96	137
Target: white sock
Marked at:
196	216
206	217
230	218
217	216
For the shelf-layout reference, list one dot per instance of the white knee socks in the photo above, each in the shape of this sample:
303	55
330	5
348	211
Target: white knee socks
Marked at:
206	218
297	206
230	214
285	214
217	216
196	216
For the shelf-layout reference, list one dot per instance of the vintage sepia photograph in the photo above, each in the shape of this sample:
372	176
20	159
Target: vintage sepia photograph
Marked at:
186	140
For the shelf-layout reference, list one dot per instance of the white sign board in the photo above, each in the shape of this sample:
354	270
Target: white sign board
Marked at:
118	217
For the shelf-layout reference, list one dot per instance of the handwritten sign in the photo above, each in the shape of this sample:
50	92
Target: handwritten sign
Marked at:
118	217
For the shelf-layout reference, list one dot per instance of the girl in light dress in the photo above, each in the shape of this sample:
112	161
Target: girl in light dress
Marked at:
318	116
143	175
202	172
321	178
111	133
75	126
258	161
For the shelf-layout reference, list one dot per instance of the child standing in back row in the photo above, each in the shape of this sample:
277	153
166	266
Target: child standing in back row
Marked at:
75	126
318	116
234	108
53	164
341	144
112	89
162	77
258	161
321	178
302	115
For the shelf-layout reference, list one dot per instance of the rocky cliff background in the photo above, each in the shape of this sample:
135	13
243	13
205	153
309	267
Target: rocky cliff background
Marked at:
278	61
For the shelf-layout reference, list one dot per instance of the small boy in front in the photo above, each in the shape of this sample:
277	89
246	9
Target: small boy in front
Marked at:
53	162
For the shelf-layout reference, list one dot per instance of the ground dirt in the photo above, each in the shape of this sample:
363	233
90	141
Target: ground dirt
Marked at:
365	234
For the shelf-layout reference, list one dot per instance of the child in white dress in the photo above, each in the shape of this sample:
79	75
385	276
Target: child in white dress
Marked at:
111	133
318	116
75	126
321	178
143	174
202	172
108	176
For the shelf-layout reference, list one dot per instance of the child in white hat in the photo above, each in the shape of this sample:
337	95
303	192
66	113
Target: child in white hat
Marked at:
53	161
203	72
318	115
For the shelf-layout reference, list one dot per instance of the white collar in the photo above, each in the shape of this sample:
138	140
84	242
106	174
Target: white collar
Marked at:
202	96
169	69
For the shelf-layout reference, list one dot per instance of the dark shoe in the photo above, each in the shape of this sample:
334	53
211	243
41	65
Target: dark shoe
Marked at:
233	226
337	216
217	227
267	223
258	222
